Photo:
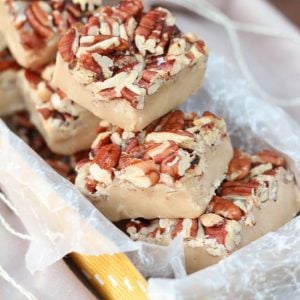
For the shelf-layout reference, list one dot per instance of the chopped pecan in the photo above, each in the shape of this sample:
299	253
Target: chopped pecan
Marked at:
91	185
33	17
41	11
267	156
152	152
137	224
130	96
65	46
131	144
237	188
239	166
169	165
177	228
30	40
33	78
156	231
172	121
225	208
153	32
45	112
87	62
216	232
194	228
108	156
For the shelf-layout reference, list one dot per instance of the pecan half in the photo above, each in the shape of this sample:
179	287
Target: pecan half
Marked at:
108	156
236	188
154	32
239	166
172	121
65	46
225	208
34	14
267	156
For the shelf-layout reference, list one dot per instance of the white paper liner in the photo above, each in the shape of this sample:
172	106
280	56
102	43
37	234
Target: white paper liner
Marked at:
61	220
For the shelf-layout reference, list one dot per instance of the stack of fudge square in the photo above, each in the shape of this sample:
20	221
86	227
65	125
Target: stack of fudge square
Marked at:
108	80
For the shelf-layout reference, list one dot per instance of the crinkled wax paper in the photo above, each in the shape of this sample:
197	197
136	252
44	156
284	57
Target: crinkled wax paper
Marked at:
61	220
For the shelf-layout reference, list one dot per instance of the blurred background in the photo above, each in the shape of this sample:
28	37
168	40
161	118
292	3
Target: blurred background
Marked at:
290	8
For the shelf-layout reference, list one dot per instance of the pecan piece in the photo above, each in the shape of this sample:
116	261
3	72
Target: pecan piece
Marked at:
65	46
177	228
236	188
239	166
172	121
154	31
45	112
225	208
30	40
91	185
169	165
267	156
216	232
108	156
167	148
33	78
33	19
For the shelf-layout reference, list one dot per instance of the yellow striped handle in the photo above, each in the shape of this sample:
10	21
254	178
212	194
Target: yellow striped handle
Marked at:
113	276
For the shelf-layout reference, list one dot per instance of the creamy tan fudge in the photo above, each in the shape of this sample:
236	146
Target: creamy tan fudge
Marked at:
33	29
66	126
170	169
10	96
259	196
21	125
130	67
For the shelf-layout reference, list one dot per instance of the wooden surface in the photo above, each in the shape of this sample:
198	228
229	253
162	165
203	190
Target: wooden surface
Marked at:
290	8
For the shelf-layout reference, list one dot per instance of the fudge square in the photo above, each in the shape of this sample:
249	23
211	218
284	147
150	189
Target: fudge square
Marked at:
33	29
66	127
130	67
169	170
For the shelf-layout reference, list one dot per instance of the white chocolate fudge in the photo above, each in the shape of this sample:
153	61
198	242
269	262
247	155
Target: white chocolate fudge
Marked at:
130	67
263	198
171	169
33	29
66	127
10	96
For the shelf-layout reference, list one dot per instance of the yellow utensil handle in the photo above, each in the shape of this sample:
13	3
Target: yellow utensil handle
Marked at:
113	276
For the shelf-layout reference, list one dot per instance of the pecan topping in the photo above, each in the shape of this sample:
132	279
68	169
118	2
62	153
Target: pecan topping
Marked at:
154	32
267	156
239	166
216	232
33	78
177	228
231	188
225	208
37	18
65	46
127	41
108	156
30	40
172	121
45	112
